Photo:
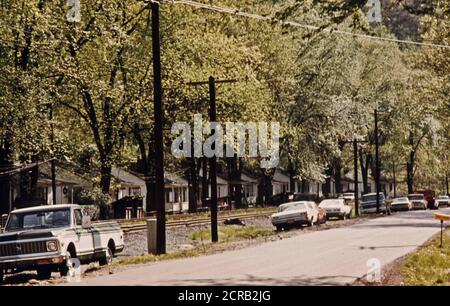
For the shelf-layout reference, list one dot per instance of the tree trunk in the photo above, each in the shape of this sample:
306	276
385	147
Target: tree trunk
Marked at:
5	181
337	175
291	171
105	178
365	165
265	188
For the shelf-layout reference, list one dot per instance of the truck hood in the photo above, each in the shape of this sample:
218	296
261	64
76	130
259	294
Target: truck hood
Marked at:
29	234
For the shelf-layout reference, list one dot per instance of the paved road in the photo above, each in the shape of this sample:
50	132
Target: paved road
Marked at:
335	256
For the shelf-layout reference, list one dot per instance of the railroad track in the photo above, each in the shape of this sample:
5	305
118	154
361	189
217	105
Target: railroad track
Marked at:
128	228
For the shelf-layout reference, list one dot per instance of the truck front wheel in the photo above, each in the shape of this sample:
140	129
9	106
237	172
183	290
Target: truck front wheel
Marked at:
108	258
68	264
44	273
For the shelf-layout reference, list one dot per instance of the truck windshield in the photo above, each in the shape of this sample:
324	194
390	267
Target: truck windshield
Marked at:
38	219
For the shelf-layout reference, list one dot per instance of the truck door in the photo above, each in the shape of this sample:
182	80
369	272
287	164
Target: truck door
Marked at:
85	245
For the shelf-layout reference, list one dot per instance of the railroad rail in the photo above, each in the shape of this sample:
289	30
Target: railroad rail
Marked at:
141	225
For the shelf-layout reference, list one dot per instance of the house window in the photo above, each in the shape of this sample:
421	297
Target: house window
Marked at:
184	194
177	195
167	195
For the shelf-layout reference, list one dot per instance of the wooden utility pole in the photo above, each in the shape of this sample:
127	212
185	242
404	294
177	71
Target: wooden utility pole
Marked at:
355	176
212	161
158	134
377	162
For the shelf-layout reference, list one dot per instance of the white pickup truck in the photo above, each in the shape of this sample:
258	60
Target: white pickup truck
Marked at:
47	238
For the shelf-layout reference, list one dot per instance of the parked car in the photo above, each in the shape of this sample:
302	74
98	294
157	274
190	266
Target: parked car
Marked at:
442	200
350	196
336	208
418	201
369	203
47	238
430	197
399	204
295	213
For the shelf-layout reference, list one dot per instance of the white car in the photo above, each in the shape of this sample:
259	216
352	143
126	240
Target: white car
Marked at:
295	213
402	203
418	201
349	196
442	200
50	238
336	208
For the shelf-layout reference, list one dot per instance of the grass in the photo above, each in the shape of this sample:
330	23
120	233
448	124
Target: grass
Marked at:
227	234
430	266
149	258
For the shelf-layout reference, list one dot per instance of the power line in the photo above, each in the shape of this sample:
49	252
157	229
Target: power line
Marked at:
237	12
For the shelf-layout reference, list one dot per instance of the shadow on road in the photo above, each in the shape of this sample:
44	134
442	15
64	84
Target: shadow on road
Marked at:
254	280
387	247
408	224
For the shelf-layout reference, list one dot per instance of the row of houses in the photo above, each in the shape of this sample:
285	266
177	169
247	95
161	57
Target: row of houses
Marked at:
131	185
177	188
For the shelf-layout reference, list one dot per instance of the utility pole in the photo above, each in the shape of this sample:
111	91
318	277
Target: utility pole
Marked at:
158	134
355	166
394	177
377	162
355	173
213	161
53	161
446	183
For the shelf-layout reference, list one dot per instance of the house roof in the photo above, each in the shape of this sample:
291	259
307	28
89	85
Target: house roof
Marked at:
127	178
246	178
280	177
63	176
134	179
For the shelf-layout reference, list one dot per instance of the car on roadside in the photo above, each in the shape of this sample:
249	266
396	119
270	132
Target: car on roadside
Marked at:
430	198
51	238
294	214
442	201
418	201
401	204
369	203
336	208
349	196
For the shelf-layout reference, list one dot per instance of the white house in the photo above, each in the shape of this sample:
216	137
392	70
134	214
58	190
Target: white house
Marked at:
68	187
250	188
280	182
133	184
